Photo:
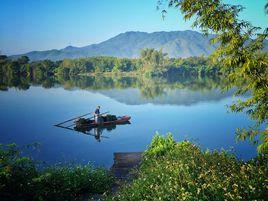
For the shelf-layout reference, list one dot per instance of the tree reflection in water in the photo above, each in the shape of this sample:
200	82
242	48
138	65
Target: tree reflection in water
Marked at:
150	87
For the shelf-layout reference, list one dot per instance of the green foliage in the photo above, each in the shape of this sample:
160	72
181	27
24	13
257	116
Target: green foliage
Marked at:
160	146
151	63
16	173
63	71
239	54
3	57
97	65
152	56
153	60
68	183
192	66
23	60
21	67
124	65
182	171
21	179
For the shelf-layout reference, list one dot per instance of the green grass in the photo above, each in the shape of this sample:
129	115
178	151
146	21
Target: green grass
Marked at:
182	171
21	179
169	171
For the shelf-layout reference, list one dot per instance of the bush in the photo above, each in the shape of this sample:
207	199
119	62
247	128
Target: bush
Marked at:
160	146
16	173
20	179
182	171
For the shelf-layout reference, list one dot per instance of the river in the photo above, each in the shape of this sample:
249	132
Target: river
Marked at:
195	110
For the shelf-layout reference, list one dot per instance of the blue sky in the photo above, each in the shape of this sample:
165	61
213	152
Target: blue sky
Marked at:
28	25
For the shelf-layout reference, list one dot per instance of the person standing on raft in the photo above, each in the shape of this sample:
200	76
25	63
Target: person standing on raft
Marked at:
97	114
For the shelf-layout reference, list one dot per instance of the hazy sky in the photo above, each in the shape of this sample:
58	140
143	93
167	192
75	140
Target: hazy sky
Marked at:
28	25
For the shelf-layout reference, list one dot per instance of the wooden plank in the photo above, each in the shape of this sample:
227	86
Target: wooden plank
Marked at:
124	162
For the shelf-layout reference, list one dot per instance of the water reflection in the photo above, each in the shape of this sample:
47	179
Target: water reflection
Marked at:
171	89
96	132
186	106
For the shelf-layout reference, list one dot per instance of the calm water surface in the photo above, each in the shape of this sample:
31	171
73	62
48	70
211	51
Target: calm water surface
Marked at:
28	116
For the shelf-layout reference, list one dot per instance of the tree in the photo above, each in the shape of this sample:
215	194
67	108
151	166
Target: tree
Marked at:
239	54
23	60
3	57
3	61
153	60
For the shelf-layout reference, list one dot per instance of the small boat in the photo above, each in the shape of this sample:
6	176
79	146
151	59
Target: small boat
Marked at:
106	121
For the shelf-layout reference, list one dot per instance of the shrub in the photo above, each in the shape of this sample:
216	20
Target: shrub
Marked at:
20	179
182	171
160	146
16	173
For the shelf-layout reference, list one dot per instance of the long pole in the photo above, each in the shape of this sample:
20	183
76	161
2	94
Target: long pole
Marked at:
89	118
77	118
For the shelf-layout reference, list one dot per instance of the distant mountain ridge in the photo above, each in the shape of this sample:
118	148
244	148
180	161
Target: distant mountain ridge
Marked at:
129	44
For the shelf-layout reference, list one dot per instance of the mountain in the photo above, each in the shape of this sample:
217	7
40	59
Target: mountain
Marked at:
129	44
185	97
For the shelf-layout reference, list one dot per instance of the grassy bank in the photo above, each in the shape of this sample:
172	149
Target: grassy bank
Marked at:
169	171
182	171
21	179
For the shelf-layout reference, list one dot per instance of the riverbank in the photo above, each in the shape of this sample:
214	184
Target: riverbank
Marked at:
169	170
182	171
21	178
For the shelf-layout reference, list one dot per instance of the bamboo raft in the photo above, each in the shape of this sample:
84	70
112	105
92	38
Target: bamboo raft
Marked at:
85	126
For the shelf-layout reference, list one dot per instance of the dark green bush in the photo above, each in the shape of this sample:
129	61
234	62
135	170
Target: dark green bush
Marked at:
16	173
20	179
182	171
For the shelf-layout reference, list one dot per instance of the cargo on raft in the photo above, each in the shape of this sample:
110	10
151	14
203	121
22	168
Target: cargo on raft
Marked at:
104	120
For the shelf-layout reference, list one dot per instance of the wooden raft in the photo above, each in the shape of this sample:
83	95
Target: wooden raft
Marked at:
124	162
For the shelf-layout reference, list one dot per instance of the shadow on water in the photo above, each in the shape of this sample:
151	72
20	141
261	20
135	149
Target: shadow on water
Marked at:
95	131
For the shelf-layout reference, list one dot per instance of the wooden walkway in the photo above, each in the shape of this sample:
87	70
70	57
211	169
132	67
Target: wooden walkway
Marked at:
124	162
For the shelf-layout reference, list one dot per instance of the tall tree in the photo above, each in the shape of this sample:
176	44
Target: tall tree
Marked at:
23	60
239	54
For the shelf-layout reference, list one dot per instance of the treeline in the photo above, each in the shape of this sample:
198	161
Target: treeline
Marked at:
97	65
22	66
151	62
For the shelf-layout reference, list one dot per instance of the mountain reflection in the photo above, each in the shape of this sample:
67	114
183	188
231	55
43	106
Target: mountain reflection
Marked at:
171	89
